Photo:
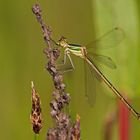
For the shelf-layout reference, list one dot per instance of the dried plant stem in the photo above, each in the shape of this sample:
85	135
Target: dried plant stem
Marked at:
64	129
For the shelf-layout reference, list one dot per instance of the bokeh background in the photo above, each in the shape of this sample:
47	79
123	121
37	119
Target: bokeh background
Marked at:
22	60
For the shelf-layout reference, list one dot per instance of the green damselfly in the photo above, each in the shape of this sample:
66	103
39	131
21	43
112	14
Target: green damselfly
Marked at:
110	39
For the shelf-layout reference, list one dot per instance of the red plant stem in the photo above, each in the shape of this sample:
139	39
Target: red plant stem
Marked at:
124	122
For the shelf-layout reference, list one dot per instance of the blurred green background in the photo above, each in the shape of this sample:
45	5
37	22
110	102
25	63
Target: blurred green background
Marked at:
22	60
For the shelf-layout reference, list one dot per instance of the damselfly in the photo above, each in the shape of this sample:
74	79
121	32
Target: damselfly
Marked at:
110	39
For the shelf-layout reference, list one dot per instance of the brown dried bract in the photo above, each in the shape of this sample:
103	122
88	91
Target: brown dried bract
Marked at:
35	116
75	133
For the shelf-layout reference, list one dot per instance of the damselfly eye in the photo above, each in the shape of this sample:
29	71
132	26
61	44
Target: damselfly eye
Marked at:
63	42
63	39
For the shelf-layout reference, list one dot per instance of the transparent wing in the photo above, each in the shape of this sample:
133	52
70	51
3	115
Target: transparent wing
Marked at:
90	84
64	64
107	61
108	40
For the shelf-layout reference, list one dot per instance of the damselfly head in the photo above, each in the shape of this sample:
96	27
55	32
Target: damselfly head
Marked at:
63	42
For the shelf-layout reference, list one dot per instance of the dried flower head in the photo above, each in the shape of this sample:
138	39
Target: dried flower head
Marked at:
35	116
76	129
63	130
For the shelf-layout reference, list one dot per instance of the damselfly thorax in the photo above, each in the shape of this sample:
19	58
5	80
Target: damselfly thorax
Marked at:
77	50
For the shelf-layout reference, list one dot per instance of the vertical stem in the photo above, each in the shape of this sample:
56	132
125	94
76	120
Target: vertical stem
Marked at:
64	129
35	136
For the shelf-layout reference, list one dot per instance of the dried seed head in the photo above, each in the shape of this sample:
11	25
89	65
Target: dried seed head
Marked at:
56	53
35	116
54	113
54	105
63	121
58	78
36	9
51	68
66	98
75	133
52	134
